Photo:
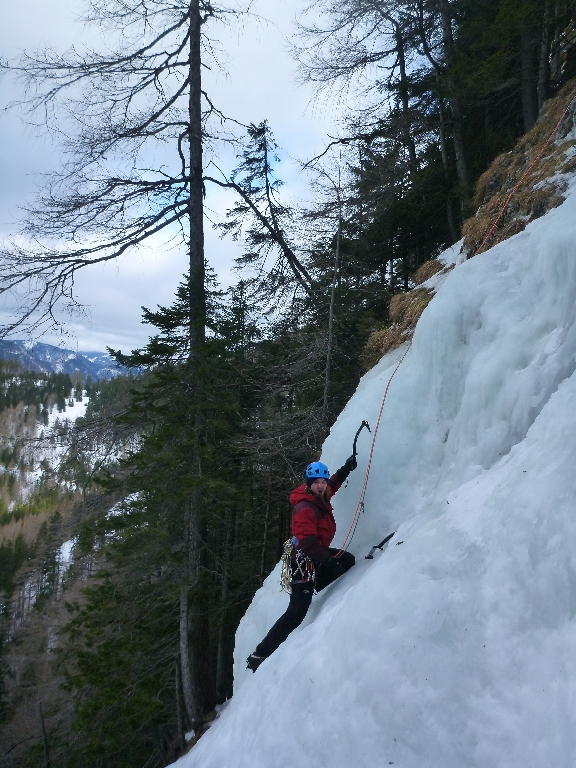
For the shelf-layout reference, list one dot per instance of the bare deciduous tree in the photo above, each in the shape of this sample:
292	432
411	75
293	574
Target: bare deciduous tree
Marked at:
132	117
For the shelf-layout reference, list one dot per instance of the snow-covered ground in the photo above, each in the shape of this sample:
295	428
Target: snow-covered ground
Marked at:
74	410
456	646
52	442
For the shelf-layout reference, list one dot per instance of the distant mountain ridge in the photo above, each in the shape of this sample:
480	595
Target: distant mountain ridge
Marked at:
35	356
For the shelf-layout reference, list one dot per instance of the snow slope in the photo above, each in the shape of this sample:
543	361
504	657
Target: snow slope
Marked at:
456	647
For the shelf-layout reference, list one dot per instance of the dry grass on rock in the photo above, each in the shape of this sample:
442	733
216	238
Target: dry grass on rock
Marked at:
405	311
541	190
427	270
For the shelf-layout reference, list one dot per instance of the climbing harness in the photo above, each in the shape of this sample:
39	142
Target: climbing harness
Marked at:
299	568
360	505
526	172
286	576
370	555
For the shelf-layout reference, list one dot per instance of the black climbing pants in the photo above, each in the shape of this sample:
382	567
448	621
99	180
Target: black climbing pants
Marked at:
345	559
300	600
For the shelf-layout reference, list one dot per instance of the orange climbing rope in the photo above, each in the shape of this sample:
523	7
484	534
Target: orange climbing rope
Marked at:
360	505
526	172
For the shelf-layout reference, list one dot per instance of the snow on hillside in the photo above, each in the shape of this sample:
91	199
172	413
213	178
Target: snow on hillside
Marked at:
49	446
455	646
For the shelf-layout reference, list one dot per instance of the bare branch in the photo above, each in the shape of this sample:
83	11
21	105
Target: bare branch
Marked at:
300	272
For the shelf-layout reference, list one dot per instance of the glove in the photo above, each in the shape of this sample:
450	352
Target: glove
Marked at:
349	466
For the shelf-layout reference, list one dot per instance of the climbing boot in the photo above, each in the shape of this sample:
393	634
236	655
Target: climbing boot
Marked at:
253	661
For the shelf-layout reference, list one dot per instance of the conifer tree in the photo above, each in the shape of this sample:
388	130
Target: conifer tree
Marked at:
440	88
117	641
142	90
266	220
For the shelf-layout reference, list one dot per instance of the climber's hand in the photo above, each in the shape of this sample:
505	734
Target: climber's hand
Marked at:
348	466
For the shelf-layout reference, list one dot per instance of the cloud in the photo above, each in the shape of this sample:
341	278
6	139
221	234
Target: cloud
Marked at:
258	85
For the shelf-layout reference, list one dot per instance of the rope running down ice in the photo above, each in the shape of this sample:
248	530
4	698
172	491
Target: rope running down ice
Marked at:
360	505
526	172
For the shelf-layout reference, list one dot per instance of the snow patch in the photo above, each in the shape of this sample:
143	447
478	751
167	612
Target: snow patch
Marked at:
454	647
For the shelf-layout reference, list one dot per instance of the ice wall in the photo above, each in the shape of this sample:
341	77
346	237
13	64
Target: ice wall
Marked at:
456	647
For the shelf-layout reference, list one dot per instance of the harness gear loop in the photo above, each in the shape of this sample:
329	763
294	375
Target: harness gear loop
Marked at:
360	505
286	576
296	566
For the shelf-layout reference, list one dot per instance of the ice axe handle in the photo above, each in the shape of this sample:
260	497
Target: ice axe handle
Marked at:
360	428
370	555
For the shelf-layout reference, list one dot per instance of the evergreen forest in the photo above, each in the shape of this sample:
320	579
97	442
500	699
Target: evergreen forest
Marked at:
173	487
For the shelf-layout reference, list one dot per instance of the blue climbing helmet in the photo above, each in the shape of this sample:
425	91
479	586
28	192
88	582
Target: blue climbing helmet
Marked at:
315	470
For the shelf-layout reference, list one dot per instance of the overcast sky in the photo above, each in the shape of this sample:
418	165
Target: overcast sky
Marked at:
260	85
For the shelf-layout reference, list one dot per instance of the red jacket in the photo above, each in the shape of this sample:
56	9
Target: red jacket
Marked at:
313	522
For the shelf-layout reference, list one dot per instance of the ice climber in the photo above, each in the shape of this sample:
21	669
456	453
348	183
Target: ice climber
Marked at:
314	564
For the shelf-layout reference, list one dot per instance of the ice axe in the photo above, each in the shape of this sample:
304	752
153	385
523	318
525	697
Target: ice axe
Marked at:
360	428
370	555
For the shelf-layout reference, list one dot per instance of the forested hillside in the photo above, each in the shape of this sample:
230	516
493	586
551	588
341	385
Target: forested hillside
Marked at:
171	493
52	444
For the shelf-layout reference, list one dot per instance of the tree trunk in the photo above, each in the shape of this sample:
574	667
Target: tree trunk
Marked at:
405	270
190	630
544	63
528	78
404	97
441	120
159	744
407	139
330	340
444	154
265	535
454	99
221	693
190	701
195	203
179	710
44	736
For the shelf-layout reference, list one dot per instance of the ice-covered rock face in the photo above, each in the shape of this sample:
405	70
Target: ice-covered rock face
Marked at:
455	647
